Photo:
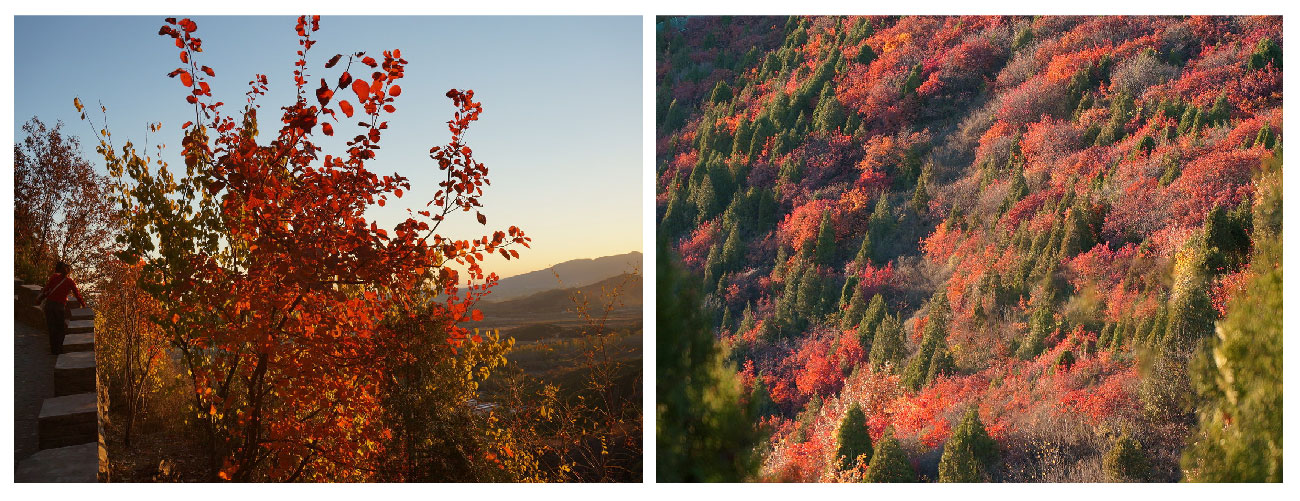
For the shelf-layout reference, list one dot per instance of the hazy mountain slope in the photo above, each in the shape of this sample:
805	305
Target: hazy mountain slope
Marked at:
575	273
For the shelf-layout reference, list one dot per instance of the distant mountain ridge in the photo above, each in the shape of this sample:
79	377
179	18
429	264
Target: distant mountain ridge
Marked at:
575	273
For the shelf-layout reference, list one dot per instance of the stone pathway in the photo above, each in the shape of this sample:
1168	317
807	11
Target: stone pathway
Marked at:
55	413
33	383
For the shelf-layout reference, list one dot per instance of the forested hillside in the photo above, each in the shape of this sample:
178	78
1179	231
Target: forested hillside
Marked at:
985	248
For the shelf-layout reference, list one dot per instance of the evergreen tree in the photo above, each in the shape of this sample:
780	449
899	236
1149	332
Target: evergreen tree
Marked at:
941	364
889	463
913	80
1191	314
853	438
865	55
1240	382
721	93
1041	324
969	454
921	195
1266	52
887	343
825	241
864	255
829	115
761	401
933	339
703	434
731	250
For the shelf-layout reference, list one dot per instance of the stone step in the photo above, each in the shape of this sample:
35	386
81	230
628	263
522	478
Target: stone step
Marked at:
83	314
74	463
81	326
74	373
28	292
79	342
69	420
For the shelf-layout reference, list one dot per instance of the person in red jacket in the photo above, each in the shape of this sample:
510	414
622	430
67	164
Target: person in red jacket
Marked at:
55	295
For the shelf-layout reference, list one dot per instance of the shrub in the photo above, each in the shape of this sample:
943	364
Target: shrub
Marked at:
1126	461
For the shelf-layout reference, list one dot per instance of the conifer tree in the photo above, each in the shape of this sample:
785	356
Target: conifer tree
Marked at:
825	241
852	438
887	343
969	454
703	433
889	463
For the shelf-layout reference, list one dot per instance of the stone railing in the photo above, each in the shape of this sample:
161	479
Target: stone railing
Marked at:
70	426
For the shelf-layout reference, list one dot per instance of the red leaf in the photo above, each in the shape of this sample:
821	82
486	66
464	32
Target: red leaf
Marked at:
208	71
476	315
327	129
333	60
481	218
185	57
346	107
362	90
369	61
187	124
186	79
395	90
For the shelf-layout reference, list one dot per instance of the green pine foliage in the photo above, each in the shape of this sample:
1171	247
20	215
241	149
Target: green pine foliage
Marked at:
970	454
703	434
852	439
887	343
1239	377
889	463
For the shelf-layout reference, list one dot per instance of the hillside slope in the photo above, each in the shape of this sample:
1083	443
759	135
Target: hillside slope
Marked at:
574	273
1039	218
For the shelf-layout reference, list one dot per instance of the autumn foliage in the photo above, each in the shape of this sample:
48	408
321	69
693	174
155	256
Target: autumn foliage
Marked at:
1056	213
273	282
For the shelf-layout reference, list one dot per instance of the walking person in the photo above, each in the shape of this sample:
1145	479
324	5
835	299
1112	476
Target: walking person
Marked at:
55	297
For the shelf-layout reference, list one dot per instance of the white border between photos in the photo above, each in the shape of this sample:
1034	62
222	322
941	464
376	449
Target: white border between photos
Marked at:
626	492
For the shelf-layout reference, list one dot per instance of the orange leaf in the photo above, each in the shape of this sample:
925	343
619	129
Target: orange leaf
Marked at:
186	79
476	315
395	90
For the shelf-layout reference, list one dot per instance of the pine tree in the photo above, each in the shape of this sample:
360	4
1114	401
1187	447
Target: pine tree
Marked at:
1239	380
721	93
969	454
761	401
933	339
1191	315
887	343
703	433
889	463
921	195
829	115
853	438
825	241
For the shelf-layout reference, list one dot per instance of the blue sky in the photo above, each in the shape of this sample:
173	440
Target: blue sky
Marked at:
560	131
